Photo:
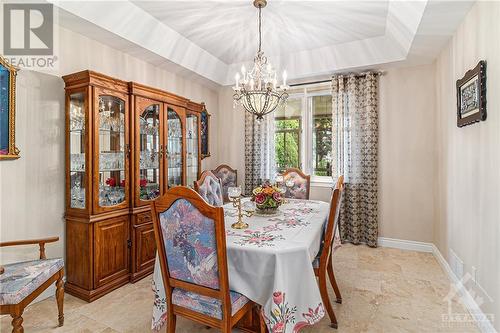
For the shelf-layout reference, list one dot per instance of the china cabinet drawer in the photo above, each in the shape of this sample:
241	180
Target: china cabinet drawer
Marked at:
142	218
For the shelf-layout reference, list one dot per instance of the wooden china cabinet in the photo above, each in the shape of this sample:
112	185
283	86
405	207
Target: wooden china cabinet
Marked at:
126	144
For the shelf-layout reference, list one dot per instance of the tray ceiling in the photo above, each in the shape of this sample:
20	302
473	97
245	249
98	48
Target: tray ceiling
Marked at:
229	30
212	39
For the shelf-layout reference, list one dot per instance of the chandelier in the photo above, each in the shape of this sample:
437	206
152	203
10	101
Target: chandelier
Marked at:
257	90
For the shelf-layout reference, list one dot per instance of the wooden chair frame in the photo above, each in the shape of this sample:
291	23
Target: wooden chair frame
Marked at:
204	175
225	166
325	260
301	174
16	310
217	215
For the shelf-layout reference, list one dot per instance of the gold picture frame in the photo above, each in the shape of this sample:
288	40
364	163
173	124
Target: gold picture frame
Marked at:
8	149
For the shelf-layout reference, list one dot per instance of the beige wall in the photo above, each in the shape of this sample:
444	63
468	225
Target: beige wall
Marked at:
407	168
32	187
468	219
407	154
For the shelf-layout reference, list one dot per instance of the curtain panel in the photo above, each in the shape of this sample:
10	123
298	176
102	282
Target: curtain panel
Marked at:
355	152
259	151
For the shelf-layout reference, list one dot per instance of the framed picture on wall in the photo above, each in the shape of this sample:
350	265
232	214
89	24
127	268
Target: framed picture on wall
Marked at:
8	149
471	96
205	132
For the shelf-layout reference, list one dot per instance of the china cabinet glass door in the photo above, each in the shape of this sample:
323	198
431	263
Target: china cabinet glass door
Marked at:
112	151
174	149
192	149
149	153
77	151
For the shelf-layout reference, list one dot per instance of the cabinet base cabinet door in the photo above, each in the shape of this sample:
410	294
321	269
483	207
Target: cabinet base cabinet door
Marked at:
111	250
144	251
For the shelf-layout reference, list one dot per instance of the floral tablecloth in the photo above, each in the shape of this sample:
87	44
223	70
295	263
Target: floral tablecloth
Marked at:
270	263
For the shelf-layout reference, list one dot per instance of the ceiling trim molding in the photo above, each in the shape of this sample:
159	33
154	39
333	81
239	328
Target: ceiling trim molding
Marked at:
130	22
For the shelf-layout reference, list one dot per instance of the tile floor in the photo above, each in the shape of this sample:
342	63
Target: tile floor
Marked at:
383	290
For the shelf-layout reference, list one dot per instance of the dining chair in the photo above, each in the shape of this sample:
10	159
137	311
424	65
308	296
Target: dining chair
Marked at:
322	264
22	282
301	184
191	242
210	188
228	177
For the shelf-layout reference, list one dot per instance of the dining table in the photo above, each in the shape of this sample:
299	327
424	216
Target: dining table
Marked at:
270	263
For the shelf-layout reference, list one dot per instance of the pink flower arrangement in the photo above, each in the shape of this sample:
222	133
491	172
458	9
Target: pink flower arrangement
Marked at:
267	196
143	182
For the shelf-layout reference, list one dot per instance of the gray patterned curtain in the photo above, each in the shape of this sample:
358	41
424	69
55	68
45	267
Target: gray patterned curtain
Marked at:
355	137
259	151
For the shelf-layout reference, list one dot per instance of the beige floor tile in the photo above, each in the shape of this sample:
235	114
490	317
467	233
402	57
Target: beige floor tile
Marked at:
383	290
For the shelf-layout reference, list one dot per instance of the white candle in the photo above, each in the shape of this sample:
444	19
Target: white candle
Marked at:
284	78
251	84
237	79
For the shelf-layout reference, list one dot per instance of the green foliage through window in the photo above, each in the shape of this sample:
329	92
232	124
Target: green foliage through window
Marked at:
287	143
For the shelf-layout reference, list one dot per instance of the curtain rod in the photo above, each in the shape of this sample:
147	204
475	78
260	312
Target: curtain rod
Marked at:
379	73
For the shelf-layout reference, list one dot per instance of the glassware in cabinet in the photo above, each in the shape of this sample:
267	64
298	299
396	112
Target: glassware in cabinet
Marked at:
174	149
77	151
192	149
112	151
149	153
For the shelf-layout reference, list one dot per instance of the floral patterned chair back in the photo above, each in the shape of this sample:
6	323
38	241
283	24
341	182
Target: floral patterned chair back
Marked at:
210	188
301	184
228	177
191	241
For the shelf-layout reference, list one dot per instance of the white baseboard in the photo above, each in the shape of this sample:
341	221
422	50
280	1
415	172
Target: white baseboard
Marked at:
485	326
405	244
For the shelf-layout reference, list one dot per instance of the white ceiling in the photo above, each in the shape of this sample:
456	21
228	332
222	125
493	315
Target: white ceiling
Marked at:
222	28
212	39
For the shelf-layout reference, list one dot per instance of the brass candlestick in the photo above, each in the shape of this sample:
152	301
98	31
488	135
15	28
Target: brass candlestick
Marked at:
237	204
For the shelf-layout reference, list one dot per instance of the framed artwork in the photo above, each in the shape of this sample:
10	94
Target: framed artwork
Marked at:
471	96
204	131
8	148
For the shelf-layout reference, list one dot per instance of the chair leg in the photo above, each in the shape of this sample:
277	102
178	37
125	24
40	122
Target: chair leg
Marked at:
171	323
60	298
226	325
333	282
326	301
17	322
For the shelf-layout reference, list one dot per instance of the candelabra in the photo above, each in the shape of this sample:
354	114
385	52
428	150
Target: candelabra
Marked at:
234	194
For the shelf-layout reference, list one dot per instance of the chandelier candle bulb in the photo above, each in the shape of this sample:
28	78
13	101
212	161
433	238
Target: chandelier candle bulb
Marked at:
237	78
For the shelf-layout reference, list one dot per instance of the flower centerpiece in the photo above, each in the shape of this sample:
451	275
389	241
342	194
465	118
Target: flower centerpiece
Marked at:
267	198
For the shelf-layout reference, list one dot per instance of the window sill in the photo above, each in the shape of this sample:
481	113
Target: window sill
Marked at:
321	182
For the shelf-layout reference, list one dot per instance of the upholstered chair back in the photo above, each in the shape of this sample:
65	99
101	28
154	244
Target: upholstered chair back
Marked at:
210	188
190	244
228	177
301	184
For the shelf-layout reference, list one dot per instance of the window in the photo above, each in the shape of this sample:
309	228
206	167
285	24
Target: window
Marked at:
322	135
287	136
303	133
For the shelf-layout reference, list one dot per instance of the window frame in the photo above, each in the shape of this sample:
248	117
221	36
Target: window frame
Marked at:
306	157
